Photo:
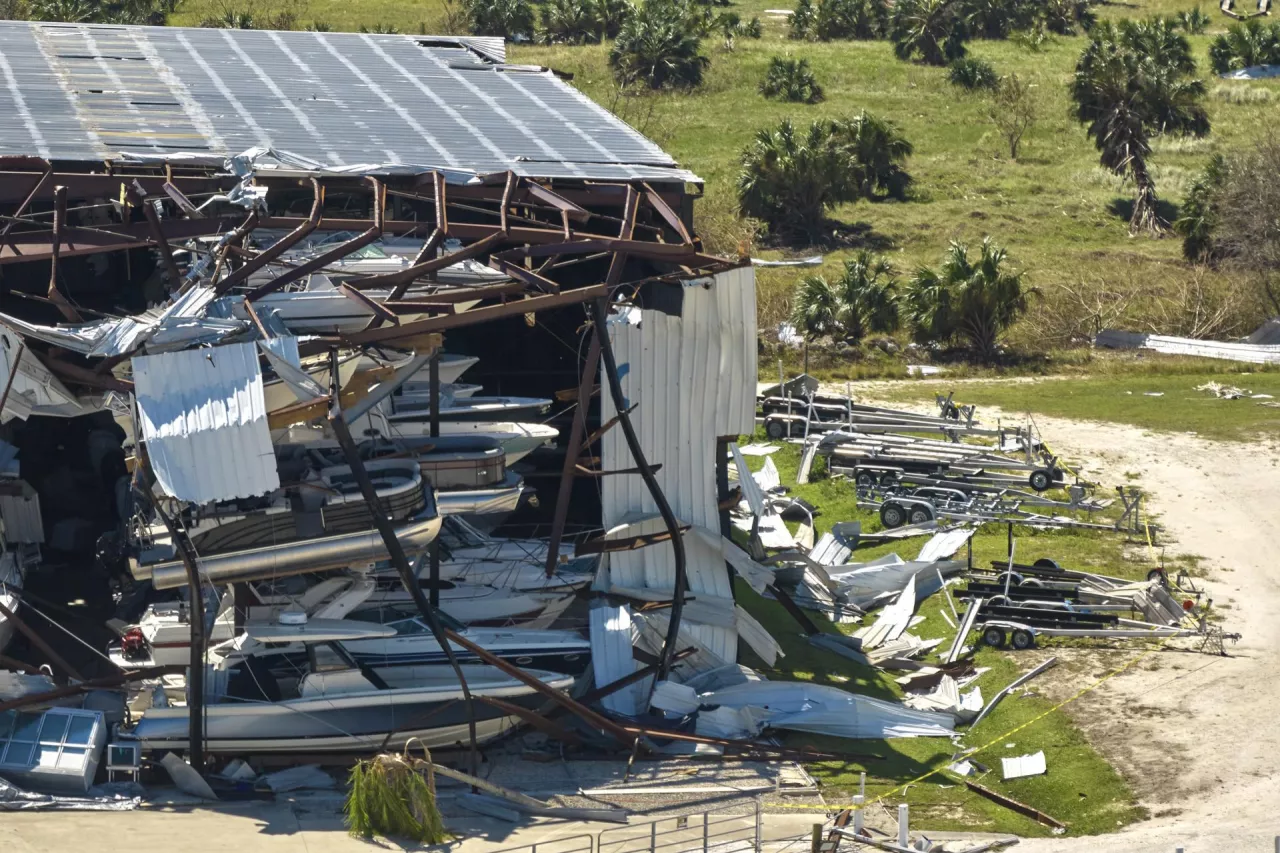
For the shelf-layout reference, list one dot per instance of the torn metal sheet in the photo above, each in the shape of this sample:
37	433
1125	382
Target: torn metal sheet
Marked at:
944	545
204	421
816	708
946	697
34	389
892	620
1247	352
1021	766
611	659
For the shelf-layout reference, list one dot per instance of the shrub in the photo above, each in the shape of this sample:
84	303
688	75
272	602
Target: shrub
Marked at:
791	80
790	178
964	301
1193	23
658	47
839	19
753	29
1244	45
862	300
1198	216
931	31
972	73
380	28
148	12
570	22
997	19
1064	17
1012	111
499	17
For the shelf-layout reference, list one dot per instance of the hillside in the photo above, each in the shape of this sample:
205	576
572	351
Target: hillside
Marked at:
1061	216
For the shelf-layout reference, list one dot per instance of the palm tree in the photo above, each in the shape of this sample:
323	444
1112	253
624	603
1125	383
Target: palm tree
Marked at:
499	17
880	150
864	299
790	177
656	46
1244	45
1199	214
791	80
971	302
1131	84
571	22
71	11
931	30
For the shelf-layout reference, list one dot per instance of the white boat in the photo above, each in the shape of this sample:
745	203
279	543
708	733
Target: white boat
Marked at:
417	407
486	507
518	439
335	705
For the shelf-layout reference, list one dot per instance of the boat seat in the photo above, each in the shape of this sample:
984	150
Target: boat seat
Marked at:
333	682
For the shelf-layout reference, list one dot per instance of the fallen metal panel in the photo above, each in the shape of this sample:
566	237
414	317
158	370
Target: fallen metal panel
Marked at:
22	519
204	422
1023	765
611	659
1248	352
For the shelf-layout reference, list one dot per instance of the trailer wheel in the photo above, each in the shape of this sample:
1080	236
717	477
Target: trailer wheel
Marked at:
892	515
920	513
994	637
999	601
1159	575
888	478
1046	563
1031	582
1013	579
775	428
865	479
1041	479
1022	639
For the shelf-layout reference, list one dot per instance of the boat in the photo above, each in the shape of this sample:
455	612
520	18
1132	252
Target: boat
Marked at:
486	508
334	704
417	407
517	439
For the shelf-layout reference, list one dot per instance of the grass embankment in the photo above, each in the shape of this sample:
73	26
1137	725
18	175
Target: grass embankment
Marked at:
1080	789
1165	402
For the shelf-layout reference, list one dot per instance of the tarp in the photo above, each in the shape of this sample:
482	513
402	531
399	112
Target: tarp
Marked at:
204	421
14	799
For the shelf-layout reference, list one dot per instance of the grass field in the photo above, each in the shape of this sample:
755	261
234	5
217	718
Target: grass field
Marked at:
1081	789
1162	402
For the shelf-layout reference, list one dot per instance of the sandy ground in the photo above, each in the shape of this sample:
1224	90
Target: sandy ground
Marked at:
1197	736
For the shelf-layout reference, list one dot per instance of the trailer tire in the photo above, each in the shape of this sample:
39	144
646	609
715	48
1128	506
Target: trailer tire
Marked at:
993	637
892	515
1046	563
776	428
1031	582
1041	479
1022	639
1159	575
999	601
920	513
888	478
865	479
1013	578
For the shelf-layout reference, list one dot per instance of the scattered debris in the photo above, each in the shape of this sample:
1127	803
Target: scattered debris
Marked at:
1024	765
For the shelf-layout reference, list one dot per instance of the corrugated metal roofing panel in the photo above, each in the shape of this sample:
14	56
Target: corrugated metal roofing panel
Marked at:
22	519
204	421
92	92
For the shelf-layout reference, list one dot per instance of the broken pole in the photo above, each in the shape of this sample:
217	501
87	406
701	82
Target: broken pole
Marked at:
137	196
585	384
59	225
342	432
1014	805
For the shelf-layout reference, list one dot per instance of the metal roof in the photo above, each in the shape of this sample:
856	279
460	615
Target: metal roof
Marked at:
90	92
204	419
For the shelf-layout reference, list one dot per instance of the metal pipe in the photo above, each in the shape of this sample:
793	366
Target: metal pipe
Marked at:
599	310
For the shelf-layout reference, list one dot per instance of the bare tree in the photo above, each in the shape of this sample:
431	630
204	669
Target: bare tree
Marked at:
1012	111
1247	231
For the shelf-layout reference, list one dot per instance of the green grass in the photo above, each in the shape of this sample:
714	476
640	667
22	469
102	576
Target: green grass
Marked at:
1080	789
1124	399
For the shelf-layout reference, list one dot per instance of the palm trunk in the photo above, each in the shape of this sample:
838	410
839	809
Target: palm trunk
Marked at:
1145	219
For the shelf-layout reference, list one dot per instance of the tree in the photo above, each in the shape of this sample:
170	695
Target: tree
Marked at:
1012	110
966	301
1132	83
1064	17
657	46
791	80
152	12
790	178
996	19
504	18
1198	217
1245	45
864	299
932	31
972	73
839	19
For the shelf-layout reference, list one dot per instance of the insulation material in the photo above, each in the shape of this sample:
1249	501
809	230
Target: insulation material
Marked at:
204	421
816	708
946	697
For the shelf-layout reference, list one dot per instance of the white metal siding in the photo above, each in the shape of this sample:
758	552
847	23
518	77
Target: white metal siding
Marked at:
204	422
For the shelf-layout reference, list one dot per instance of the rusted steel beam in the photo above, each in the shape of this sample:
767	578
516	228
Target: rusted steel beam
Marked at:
280	246
15	185
508	186
137	196
527	276
29	197
88	377
629	543
673	252
589	472
13	373
39	643
399	309
658	203
590	369
538	721
180	199
608	425
370	235
1014	805
479	315
466	294
59	222
550	197
401	279
380	313
256	320
460	230
20	247
426	253
619	260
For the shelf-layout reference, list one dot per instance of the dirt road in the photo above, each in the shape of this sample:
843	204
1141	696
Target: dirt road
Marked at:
1197	736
